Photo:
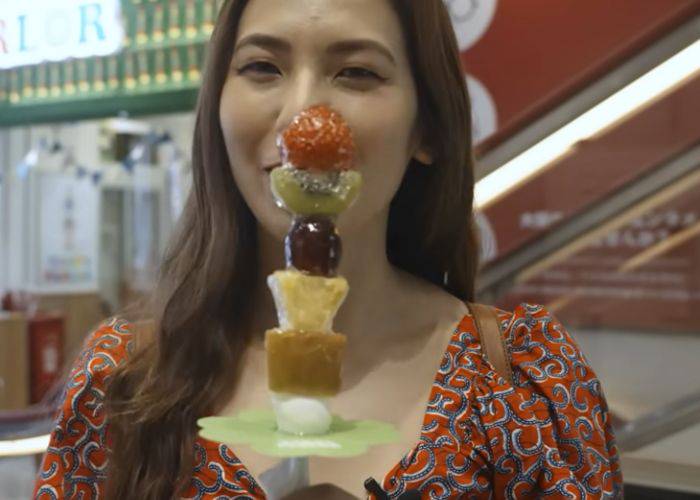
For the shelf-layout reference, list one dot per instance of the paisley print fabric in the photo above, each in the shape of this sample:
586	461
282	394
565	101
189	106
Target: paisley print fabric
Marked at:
548	436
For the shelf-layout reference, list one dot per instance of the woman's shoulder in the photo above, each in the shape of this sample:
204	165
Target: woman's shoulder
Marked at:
554	400
79	429
547	360
111	342
105	348
530	325
114	329
524	312
536	343
523	317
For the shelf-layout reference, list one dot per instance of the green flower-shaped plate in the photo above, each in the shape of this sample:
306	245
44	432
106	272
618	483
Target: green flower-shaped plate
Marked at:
258	429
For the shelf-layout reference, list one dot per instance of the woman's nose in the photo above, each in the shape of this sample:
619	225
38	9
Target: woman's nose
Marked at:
306	89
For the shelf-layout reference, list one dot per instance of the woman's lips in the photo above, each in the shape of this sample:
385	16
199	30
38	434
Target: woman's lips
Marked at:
269	168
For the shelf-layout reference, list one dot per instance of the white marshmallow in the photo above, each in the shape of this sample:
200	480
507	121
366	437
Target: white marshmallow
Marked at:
301	415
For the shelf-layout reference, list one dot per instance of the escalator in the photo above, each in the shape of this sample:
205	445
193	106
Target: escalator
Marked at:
604	231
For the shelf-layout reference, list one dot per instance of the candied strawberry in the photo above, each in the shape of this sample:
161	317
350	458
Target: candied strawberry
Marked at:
318	138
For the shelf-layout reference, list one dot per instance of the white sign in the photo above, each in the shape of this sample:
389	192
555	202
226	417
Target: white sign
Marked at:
68	209
33	31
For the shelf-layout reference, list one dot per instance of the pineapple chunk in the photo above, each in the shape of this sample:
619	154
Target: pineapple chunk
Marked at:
306	302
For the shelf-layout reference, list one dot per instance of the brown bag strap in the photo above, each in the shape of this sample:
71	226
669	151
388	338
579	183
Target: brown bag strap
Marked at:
493	344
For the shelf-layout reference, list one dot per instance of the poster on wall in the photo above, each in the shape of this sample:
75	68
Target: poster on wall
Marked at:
68	212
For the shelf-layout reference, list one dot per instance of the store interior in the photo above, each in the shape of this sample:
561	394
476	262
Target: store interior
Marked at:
587	146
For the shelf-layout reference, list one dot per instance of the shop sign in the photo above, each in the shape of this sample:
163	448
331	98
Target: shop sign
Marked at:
33	31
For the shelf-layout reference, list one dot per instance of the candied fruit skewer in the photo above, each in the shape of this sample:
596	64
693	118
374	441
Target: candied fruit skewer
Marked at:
315	184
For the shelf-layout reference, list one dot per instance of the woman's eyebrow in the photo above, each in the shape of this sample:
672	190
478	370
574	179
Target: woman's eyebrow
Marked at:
356	45
276	44
264	41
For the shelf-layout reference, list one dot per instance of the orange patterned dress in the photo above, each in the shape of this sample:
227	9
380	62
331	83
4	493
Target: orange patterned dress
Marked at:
549	436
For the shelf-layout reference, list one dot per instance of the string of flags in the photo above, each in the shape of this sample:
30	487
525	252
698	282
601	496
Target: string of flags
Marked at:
56	154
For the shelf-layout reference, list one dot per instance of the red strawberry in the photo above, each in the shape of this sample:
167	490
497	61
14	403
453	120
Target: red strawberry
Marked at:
318	138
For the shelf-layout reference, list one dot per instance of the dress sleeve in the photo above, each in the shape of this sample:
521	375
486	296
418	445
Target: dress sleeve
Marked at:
558	414
548	435
75	461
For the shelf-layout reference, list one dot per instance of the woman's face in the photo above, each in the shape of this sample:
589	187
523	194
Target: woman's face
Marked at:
291	54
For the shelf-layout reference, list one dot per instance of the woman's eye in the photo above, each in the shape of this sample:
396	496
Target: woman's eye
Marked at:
361	73
260	68
264	69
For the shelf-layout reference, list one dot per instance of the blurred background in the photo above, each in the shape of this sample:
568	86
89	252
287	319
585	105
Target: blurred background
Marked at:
587	133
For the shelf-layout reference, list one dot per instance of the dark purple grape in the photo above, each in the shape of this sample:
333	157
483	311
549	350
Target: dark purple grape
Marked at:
313	245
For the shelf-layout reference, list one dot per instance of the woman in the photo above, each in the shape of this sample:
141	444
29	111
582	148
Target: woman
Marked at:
127	428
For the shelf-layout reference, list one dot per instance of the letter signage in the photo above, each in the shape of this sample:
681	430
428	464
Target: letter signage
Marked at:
33	31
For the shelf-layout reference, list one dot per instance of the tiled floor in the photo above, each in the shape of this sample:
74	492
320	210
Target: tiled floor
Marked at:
16	478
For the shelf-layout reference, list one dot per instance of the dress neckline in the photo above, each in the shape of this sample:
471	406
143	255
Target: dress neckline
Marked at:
465	323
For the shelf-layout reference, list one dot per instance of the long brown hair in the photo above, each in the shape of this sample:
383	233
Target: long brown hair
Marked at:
202	303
